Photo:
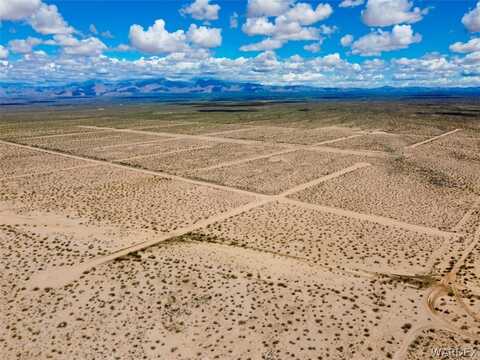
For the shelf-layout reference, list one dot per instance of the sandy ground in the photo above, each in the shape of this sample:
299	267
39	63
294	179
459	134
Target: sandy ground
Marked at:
380	141
293	135
327	240
17	162
457	156
126	198
188	300
274	174
187	240
198	128
147	149
181	163
79	144
435	344
398	189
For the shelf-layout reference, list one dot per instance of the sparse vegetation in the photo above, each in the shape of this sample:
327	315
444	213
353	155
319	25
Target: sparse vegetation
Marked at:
210	260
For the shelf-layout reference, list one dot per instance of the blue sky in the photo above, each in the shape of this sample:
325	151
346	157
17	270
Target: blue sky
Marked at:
349	43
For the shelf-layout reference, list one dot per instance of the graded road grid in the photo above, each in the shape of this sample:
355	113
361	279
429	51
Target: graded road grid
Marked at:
52	278
428	317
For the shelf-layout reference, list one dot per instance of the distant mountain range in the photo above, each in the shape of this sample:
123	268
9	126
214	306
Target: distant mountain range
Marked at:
208	89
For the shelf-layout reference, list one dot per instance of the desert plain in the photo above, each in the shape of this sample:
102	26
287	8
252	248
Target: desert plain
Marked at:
263	230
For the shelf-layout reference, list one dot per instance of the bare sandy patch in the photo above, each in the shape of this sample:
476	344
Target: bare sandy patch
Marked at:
146	149
457	155
107	195
189	160
82	143
197	128
26	129
189	300
15	161
400	190
441	344
292	135
275	174
326	240
379	141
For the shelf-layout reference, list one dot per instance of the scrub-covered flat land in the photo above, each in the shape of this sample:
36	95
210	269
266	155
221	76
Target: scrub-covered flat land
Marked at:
329	230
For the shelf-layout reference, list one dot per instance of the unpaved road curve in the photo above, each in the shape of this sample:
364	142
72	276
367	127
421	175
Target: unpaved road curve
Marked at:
431	318
448	283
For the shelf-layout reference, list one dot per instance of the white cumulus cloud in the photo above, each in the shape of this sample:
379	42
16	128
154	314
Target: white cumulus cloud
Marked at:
266	44
284	21
18	9
156	39
314	47
23	46
431	67
346	40
391	12
86	47
293	30
351	3
468	47
471	60
202	10
204	37
44	19
332	59
324	71
258	26
305	15
401	37
122	48
471	20
257	8
327	30
282	29
47	20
